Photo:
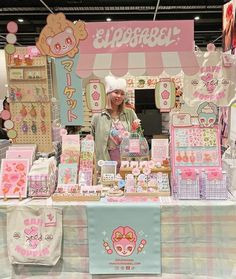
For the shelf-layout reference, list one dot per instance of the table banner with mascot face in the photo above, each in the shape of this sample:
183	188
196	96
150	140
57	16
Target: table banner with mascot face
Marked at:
122	240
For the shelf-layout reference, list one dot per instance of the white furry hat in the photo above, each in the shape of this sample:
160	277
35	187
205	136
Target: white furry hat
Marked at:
113	83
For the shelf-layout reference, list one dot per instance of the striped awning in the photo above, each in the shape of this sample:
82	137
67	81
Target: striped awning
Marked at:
137	63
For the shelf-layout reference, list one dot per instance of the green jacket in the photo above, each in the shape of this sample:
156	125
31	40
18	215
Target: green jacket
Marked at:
101	126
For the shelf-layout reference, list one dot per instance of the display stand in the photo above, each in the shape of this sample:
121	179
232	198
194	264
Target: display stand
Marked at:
143	158
150	185
30	92
5	199
90	194
148	194
70	198
125	171
195	149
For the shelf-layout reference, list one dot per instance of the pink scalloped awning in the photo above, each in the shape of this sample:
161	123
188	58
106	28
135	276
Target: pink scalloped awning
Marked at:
137	63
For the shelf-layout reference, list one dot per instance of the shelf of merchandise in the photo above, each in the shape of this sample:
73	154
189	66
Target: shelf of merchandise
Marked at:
30	93
124	171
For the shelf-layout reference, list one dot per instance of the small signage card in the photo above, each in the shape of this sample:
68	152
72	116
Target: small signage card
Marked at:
181	120
159	150
134	146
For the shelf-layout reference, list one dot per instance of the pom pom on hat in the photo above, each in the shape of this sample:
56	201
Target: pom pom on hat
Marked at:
113	83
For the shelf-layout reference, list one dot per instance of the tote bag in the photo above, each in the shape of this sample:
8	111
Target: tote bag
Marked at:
34	235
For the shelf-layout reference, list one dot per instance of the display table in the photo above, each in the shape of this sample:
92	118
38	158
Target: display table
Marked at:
198	241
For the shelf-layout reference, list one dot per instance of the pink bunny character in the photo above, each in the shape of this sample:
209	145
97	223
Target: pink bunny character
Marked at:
124	240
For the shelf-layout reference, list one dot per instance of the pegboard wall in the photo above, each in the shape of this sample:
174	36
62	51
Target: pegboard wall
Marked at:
29	82
32	123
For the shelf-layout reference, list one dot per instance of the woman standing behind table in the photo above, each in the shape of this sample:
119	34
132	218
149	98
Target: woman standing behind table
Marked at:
109	126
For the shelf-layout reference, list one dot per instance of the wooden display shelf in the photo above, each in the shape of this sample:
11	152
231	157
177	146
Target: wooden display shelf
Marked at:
124	171
148	194
25	66
62	198
28	79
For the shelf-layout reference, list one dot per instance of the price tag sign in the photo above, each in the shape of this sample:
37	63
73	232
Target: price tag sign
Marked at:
134	146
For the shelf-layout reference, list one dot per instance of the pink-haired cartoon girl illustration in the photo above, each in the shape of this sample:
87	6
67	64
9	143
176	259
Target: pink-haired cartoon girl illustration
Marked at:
124	240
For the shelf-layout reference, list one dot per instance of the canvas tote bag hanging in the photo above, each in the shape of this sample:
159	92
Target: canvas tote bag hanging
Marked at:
34	235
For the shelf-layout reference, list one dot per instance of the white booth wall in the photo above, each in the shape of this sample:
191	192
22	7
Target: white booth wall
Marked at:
3	75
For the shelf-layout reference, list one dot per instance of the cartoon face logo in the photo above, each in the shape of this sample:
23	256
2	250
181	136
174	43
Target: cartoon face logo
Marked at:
61	37
209	82
33	237
62	43
207	120
124	240
207	114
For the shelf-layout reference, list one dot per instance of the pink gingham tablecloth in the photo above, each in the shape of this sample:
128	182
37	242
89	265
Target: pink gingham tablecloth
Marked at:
198	242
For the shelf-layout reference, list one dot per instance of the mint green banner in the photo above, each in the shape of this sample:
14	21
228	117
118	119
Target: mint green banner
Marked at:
124	238
69	87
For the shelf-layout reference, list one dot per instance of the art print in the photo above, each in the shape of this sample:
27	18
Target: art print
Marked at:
13	181
160	150
67	174
71	142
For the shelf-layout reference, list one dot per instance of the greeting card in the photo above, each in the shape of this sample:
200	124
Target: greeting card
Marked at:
67	174
71	142
160	150
70	149
13	179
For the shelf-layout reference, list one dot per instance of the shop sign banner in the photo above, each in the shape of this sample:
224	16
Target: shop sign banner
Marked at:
69	89
214	83
138	36
122	240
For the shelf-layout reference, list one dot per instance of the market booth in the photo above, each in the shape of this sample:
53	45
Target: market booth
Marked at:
168	213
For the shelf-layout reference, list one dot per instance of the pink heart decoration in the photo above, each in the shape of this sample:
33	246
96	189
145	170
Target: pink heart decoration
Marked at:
207	77
31	231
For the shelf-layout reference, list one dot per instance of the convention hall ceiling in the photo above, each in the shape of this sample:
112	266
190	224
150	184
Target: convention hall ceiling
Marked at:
34	13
